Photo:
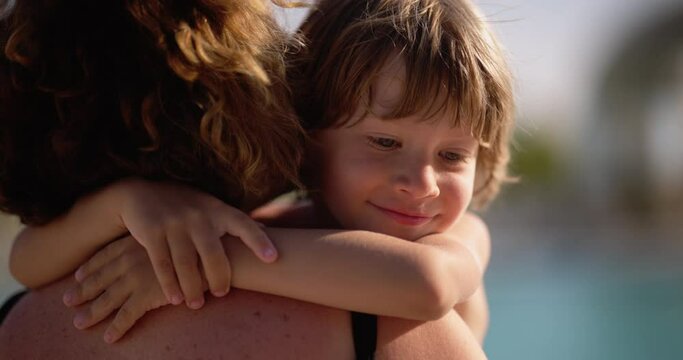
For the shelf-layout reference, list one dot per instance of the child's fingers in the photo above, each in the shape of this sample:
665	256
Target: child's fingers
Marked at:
185	258
104	256
94	284
240	225
101	307
214	261
162	263
125	318
139	303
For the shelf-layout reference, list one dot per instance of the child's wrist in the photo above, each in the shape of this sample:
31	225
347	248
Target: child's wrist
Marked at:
119	196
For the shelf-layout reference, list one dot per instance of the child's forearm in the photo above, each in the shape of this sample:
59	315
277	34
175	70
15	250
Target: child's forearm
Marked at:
361	271
45	253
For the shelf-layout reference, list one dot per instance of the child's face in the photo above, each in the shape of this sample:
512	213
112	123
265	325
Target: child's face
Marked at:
403	177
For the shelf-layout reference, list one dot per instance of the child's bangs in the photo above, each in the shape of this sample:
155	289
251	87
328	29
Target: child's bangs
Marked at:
438	89
449	71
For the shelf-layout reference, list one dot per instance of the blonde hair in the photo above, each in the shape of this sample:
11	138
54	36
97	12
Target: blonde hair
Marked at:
447	49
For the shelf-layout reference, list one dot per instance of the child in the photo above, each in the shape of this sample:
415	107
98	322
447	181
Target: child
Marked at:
398	154
421	76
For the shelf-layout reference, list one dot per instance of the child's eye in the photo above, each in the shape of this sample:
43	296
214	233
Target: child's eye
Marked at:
383	143
453	157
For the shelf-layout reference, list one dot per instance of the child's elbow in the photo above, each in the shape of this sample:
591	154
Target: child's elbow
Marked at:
17	270
446	285
20	270
435	307
435	297
434	304
26	280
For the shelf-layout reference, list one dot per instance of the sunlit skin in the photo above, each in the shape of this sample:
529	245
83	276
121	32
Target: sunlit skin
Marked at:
406	177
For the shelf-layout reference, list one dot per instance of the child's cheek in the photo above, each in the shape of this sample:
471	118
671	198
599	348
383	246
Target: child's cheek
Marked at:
456	195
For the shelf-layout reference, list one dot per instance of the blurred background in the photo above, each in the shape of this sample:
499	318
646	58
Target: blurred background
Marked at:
587	253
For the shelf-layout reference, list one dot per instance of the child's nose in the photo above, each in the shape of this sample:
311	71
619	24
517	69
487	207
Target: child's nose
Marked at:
417	180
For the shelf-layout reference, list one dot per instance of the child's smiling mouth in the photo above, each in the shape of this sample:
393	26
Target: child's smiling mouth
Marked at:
404	217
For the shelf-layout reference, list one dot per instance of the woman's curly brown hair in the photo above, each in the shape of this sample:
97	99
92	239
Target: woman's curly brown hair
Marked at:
188	90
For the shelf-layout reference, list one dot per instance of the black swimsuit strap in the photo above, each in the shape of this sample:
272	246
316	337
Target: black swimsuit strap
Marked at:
9	303
364	328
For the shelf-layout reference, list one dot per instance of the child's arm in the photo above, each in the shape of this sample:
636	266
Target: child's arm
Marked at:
469	232
362	271
352	270
419	280
41	254
168	220
475	311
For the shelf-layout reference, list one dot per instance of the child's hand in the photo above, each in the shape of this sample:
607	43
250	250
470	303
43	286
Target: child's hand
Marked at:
179	226
118	277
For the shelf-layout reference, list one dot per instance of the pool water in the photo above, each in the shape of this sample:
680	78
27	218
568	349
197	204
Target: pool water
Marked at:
584	311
